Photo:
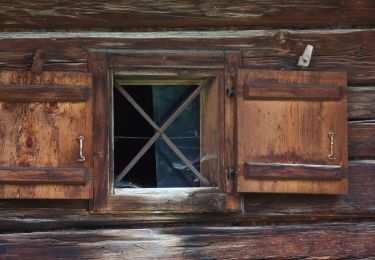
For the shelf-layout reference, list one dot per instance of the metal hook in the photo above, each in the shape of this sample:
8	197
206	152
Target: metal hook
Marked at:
81	157
331	155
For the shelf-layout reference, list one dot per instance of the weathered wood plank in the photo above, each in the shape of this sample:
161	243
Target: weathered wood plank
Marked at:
167	59
17	175
358	202
293	171
97	65
360	70
114	15
175	200
361	102
350	50
362	139
291	91
43	93
303	241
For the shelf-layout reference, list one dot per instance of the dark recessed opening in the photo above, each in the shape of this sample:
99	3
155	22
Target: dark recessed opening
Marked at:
159	166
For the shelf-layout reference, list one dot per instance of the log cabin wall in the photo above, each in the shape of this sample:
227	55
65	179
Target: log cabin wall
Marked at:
270	35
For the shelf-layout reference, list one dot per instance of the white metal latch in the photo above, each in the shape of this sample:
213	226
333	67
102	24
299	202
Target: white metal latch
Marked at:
305	59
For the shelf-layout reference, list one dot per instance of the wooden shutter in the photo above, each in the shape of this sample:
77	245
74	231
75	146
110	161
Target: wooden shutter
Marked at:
41	118
283	123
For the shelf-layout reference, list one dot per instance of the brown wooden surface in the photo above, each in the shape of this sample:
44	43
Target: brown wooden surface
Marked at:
35	135
43	93
362	139
15	175
39	61
293	171
177	200
129	15
97	65
300	241
166	59
291	132
228	142
291	91
351	49
210	111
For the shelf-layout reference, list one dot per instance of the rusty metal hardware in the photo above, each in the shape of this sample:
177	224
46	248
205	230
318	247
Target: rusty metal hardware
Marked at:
81	157
331	155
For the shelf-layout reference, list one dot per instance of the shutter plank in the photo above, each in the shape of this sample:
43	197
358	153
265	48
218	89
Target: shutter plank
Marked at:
17	175
256	90
43	93
293	171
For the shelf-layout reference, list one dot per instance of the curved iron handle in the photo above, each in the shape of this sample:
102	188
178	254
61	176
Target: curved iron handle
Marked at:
331	155
81	157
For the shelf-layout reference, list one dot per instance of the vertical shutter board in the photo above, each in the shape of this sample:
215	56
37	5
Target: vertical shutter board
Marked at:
44	134
291	130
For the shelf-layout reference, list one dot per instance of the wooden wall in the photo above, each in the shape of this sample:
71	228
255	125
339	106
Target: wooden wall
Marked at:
271	35
351	50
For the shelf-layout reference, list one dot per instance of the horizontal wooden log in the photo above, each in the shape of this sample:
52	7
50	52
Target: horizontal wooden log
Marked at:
362	139
18	175
359	71
114	15
180	200
167	59
293	171
43	93
358	202
348	50
290	91
361	102
299	241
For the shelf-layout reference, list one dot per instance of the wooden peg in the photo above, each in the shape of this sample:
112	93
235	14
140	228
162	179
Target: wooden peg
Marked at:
38	62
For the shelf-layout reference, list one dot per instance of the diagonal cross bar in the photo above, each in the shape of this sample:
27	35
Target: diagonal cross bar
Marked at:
160	132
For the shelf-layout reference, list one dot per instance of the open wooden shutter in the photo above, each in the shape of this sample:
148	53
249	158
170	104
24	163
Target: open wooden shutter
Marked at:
41	117
292	132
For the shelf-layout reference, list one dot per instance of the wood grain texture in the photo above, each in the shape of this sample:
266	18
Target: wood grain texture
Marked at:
98	66
361	102
291	132
362	139
292	171
130	15
43	93
35	135
349	50
15	175
299	241
228	142
210	114
177	200
291	91
166	59
39	61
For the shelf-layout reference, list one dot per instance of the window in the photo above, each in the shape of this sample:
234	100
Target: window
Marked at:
164	135
159	131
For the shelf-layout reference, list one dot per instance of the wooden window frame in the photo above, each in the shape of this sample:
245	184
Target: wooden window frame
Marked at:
177	64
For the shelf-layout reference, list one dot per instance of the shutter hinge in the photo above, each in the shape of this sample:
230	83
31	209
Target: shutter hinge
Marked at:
231	173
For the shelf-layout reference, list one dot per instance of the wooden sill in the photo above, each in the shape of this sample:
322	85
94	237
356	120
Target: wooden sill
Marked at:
182	200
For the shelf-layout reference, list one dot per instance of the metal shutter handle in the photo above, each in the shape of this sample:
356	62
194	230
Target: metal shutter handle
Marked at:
81	157
331	155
